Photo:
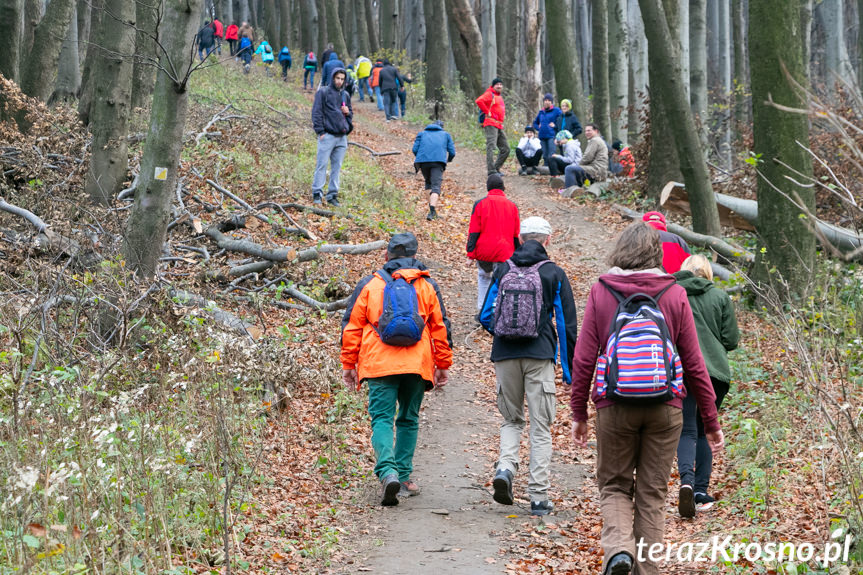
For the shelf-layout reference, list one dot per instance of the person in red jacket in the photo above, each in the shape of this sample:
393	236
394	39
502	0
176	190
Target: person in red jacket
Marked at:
492	235
232	36
637	438
220	33
491	104
674	248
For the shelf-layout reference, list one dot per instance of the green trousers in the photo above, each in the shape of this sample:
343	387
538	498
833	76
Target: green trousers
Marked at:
395	455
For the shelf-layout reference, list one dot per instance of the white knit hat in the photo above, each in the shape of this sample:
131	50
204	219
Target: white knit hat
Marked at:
535	225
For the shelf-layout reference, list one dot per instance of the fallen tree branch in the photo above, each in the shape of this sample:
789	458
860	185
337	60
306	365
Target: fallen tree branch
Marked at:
372	152
254	267
224	318
288	254
315	210
47	239
35	220
242	203
326	306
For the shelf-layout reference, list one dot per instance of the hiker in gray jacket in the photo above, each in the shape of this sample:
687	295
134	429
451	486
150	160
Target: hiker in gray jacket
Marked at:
594	162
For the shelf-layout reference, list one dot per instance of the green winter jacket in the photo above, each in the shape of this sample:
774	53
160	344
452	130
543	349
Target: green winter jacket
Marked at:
715	322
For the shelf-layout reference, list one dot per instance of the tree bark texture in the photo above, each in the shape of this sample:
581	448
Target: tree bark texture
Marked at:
84	18
723	126
245	12
668	89
311	41
489	40
34	10
144	68
93	52
712	47
68	67
112	97
778	135
831	13
151	212
226	12
698	66
564	55
37	77
270	22
532	93
618	68
374	43
334	31
323	37
437	45
599	29
362	29
389	23
466	42
285	28
585	45
740	56
638	70
807	8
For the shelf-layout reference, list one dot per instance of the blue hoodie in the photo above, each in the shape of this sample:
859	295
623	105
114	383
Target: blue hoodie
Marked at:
285	55
433	145
543	120
329	67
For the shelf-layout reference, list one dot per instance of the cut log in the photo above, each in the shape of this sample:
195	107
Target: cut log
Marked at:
220	316
674	197
288	254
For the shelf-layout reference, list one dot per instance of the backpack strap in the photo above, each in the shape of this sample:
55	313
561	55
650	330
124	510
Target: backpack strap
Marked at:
385	275
617	295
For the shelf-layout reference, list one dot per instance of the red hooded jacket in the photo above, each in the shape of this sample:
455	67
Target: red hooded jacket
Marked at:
494	226
598	315
220	29
491	104
232	32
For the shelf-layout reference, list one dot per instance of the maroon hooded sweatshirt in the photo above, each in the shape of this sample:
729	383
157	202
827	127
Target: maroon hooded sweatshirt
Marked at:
598	315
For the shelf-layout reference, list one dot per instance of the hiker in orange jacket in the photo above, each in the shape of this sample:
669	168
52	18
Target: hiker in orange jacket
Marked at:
491	104
397	373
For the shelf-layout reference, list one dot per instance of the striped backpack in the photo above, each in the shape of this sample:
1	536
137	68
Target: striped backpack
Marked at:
640	365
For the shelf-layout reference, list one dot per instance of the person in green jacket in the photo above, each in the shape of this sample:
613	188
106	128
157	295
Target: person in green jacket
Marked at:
718	334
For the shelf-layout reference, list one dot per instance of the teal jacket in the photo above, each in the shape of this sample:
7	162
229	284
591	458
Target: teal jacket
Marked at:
715	322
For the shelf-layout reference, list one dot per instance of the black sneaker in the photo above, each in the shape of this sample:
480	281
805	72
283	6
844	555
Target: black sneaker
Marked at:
541	507
432	215
703	501
686	502
316	199
390	487
620	564
334	201
502	484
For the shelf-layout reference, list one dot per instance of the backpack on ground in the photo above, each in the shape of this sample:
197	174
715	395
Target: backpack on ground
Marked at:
518	307
640	364
400	323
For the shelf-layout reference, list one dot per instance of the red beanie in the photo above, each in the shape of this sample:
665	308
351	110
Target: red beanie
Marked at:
655	220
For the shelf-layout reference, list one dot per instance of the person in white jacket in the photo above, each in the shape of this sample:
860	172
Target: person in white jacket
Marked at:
571	153
528	152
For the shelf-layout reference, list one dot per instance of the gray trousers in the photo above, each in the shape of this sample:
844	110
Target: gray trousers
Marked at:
533	379
495	138
484	277
331	150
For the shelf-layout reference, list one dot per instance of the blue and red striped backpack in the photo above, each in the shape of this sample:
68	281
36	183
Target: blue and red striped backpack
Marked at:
640	364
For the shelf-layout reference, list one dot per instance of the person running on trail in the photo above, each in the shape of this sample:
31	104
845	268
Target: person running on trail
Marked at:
433	149
527	291
528	152
332	119
492	234
232	36
493	111
546	124
399	362
638	400
310	66
716	324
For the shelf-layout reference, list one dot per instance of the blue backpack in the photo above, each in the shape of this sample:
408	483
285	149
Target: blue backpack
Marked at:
400	323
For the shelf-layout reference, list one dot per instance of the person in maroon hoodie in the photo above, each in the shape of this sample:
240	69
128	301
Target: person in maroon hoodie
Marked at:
636	438
493	233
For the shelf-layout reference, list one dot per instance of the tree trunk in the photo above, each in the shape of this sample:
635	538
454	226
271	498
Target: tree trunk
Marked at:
68	68
712	48
839	68
683	39
488	26
586	46
94	52
859	44
226	14
806	9
311	41
599	29
334	31
37	77
388	20
148	221
84	18
144	68
564	56
323	37
668	89
297	27
285	28
34	10
363	48
638	70
437	46
374	44
112	96
532	98
466	42
245	12
698	65
254	15
270	22
739	83
787	243
618	68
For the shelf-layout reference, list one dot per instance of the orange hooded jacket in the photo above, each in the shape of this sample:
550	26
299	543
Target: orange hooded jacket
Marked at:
362	348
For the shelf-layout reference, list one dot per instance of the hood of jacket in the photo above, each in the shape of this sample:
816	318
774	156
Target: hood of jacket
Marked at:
628	282
433	128
412	267
334	56
333	75
694	285
529	253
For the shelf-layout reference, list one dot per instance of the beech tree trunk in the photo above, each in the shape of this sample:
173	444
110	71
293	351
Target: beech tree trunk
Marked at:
226	13
618	68
245	12
374	44
698	65
151	212
564	56
68	67
270	22
33	13
638	70
532	96
84	19
806	10
466	42
93	52
334	31
740	56
437	46
144	68
311	41
668	89
488	27
112	97
786	241
362	29
599	28
831	13
389	23
37	77
683	39
586	45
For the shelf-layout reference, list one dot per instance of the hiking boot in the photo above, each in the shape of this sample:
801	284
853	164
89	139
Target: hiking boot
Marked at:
686	502
556	183
522	171
432	215
316	199
502	484
541	507
333	201
703	502
390	487
409	489
620	564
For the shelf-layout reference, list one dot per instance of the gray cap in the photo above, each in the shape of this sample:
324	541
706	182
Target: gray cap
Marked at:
403	245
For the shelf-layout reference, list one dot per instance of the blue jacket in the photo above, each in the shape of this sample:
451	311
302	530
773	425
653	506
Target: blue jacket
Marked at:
327	114
262	50
557	336
433	145
330	67
285	55
542	121
569	121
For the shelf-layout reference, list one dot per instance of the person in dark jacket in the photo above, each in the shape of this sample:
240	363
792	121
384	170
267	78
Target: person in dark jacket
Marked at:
332	118
433	150
545	124
674	248
325	55
718	334
636	439
310	66
389	81
329	66
206	40
403	92
525	367
492	235
568	119
285	60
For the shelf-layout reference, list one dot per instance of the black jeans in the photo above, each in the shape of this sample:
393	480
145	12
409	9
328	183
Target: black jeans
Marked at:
556	166
285	66
694	457
433	175
531	162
